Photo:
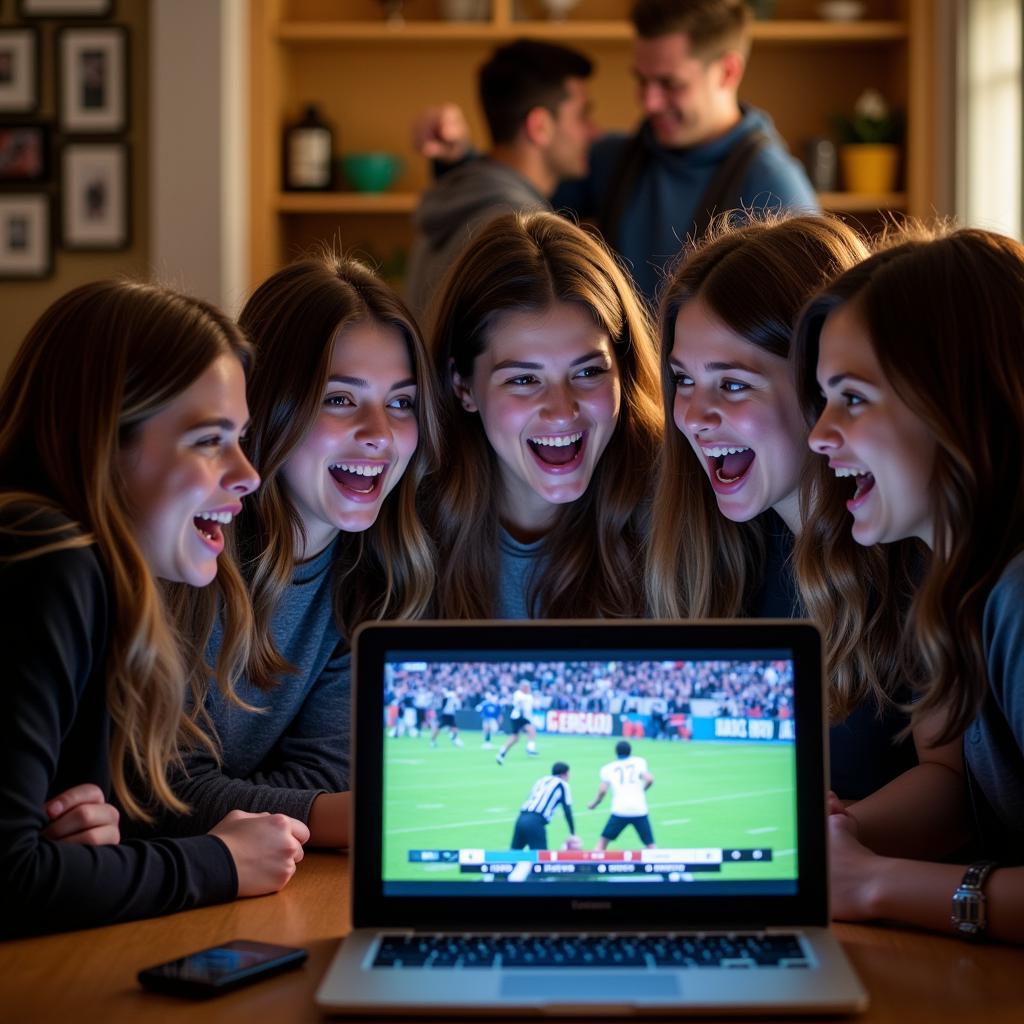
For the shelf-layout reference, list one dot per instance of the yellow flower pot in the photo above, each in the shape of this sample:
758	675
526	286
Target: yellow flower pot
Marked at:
869	168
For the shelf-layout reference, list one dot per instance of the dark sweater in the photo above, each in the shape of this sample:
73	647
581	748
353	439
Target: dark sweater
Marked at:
54	734
864	753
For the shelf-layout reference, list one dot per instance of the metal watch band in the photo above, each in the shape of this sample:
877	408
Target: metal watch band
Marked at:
977	874
968	915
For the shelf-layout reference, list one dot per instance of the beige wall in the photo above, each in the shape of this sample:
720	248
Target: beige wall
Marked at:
199	191
21	302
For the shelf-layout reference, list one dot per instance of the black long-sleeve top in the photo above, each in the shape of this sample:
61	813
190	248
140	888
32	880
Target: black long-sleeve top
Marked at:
54	734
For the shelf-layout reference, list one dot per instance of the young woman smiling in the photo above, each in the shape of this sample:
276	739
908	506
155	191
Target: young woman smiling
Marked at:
912	364
727	504
547	370
119	464
343	433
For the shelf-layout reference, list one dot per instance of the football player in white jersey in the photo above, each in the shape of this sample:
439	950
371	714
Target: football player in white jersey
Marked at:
629	780
446	717
520	720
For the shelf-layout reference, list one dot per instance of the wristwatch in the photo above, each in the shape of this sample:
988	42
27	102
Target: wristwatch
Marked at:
968	917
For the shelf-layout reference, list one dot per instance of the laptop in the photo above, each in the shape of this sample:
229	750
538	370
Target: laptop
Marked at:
690	757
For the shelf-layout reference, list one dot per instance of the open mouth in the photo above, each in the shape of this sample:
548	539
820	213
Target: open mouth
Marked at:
208	526
864	481
363	478
729	465
558	451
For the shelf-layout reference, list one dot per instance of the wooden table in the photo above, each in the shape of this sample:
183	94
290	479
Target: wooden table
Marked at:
90	975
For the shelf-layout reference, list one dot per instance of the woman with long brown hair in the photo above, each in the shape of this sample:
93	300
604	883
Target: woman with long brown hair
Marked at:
342	433
119	465
727	503
917	353
548	379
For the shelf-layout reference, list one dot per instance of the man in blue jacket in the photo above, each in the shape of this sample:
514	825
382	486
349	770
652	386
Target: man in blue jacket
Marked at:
698	151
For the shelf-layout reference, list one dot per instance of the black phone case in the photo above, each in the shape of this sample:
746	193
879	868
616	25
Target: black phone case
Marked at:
154	980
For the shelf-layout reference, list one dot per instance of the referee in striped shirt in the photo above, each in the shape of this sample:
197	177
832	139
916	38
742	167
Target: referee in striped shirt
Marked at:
531	831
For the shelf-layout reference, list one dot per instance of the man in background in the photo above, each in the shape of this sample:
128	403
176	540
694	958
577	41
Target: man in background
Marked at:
697	152
534	98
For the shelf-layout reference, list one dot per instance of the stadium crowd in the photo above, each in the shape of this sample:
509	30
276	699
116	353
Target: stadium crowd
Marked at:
658	689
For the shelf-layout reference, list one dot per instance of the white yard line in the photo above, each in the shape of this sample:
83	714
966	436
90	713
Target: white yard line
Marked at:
676	803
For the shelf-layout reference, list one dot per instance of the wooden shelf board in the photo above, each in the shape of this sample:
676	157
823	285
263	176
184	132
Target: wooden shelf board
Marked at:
811	31
405	202
346	202
312	33
862	202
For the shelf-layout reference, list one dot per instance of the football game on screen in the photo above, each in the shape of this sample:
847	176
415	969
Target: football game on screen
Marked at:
523	772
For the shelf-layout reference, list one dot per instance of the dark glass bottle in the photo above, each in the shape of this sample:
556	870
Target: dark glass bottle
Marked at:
308	153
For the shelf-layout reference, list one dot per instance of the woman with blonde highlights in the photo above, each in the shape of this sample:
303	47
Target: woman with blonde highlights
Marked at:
918	355
550	422
119	462
343	433
727	503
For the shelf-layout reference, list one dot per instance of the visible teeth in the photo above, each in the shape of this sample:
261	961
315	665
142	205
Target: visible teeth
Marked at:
717	453
375	470
217	517
845	471
557	442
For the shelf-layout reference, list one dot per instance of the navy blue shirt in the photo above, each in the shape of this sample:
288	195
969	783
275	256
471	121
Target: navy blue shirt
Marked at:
662	206
994	743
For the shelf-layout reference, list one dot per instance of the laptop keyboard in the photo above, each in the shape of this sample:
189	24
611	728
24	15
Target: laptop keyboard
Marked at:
602	951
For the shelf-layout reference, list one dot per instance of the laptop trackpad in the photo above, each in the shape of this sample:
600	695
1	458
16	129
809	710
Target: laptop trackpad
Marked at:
589	986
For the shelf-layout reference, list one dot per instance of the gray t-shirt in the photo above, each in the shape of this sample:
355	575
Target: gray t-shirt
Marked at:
516	568
994	742
282	758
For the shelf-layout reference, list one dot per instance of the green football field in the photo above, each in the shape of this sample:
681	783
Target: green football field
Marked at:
722	795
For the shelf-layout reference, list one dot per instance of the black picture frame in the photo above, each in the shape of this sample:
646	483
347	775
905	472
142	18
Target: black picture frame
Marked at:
93	79
26	236
65	8
26	153
20	73
95	199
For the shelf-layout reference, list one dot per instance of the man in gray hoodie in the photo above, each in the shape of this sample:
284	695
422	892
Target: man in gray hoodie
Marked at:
534	97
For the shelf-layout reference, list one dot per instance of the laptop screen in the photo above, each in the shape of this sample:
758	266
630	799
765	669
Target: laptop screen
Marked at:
646	772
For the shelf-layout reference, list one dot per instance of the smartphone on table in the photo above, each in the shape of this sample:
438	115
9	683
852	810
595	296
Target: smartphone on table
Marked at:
220	968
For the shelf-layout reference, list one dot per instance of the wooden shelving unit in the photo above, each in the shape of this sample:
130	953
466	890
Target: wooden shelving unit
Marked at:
330	33
371	77
405	202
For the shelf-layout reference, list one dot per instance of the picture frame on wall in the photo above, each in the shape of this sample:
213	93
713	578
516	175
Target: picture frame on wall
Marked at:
26	236
24	153
92	79
65	8
19	70
95	196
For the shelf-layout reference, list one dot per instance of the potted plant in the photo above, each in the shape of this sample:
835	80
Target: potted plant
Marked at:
869	144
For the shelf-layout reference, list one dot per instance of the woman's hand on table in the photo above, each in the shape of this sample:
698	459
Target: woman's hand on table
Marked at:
265	848
81	814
